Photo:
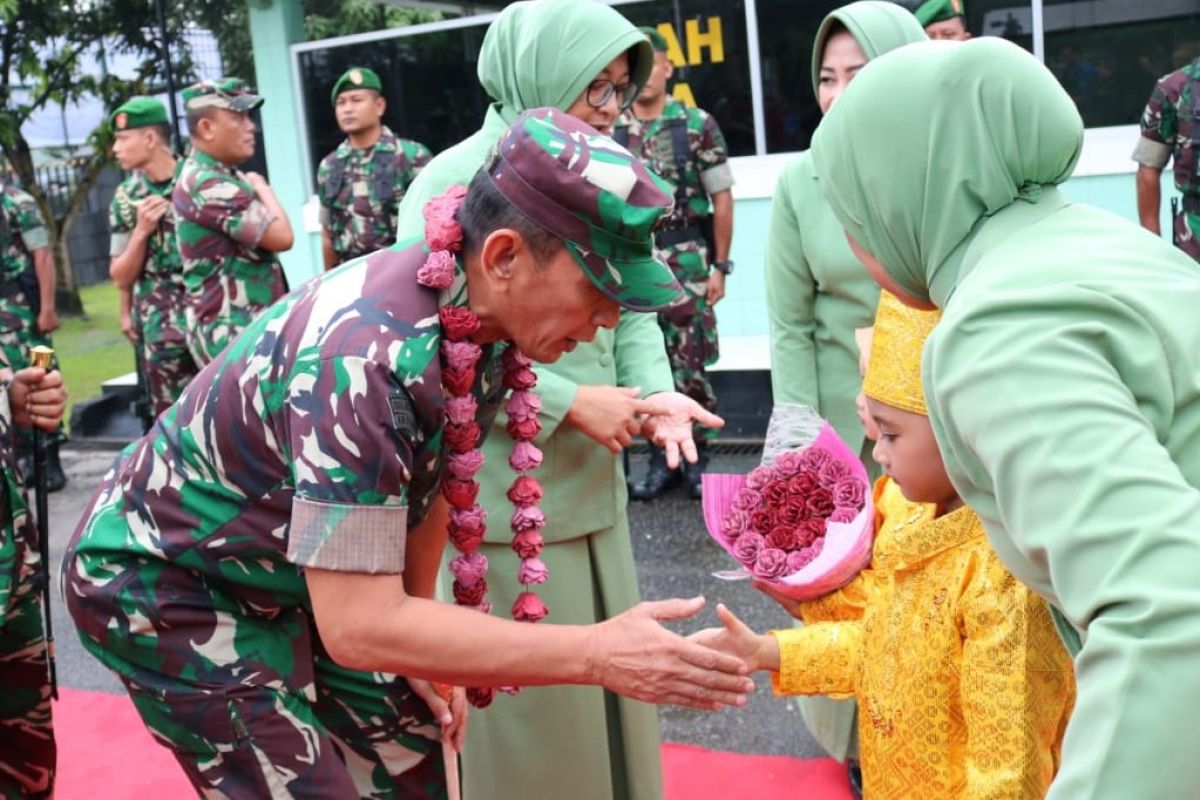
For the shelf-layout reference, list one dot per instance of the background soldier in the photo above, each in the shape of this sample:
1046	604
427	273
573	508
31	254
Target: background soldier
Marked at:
1171	129
942	19
361	184
27	307
145	262
686	147
27	748
229	224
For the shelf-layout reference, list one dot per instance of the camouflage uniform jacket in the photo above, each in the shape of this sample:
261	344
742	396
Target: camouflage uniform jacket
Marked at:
21	232
1171	127
360	192
706	170
159	295
314	440
20	562
218	224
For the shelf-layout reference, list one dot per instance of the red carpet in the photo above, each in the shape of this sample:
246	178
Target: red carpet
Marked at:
104	751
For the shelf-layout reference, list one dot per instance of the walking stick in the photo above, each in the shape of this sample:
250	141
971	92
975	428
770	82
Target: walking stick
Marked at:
41	356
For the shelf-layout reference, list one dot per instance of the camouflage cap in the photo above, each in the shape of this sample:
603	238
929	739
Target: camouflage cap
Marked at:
596	196
138	112
657	40
229	93
356	78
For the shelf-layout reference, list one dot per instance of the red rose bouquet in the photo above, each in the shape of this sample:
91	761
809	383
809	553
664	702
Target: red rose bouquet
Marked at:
803	520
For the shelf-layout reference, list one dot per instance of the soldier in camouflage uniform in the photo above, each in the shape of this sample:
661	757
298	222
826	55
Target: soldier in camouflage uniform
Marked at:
1171	129
27	306
229	224
685	146
361	184
145	259
246	567
27	750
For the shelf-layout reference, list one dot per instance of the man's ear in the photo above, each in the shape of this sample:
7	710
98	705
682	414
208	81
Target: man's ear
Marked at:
381	104
670	70
498	255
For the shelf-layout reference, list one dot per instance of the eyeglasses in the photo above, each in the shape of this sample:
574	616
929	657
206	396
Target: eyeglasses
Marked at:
601	90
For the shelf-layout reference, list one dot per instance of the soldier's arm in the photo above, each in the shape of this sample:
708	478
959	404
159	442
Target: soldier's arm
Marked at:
327	248
128	246
1149	197
722	224
278	236
1159	126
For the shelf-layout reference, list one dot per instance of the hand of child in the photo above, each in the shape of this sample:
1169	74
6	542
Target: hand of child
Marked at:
737	640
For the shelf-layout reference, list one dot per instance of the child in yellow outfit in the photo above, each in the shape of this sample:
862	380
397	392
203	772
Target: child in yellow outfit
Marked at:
964	688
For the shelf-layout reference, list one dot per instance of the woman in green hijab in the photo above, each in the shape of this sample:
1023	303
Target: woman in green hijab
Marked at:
1063	380
817	291
586	59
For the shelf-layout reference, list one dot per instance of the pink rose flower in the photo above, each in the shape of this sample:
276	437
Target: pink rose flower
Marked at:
458	381
803	484
528	518
461	356
523	430
758	477
775	495
783	537
523	405
465	540
461	410
513	358
532	570
480	696
762	520
843	514
747	546
438	270
817	546
520	378
528	607
443	233
445	204
458	323
771	563
849	492
470	595
462	438
747	499
734	525
525	456
525	491
527	544
794	511
463	466
833	472
814	458
473	518
469	569
820	503
787	464
460	494
809	531
798	560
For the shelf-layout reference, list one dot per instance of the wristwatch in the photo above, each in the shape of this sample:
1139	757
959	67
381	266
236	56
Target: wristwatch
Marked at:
723	266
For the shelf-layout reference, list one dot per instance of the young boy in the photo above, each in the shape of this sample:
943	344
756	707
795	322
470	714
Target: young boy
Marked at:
964	689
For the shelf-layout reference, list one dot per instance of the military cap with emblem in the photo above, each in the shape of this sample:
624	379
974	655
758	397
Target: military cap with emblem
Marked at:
596	196
657	40
932	11
231	94
138	112
356	78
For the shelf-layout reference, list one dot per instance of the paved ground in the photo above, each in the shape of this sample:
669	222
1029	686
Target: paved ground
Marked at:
675	559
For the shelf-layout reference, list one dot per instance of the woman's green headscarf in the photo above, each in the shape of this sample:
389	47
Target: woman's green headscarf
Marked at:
545	53
930	139
877	25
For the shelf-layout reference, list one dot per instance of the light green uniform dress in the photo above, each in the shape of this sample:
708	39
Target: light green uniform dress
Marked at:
1063	380
817	294
577	742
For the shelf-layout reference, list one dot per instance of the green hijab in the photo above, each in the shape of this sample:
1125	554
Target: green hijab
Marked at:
541	53
878	27
980	125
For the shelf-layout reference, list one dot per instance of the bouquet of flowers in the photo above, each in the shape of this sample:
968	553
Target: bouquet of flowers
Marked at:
803	520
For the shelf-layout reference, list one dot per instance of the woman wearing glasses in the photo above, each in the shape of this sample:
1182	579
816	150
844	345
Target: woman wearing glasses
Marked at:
586	59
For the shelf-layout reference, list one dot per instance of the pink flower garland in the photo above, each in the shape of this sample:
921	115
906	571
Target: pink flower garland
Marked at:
468	520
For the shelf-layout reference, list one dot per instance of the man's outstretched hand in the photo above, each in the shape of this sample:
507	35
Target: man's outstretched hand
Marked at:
669	419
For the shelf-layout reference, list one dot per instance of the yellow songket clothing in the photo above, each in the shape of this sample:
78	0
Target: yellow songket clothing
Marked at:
964	688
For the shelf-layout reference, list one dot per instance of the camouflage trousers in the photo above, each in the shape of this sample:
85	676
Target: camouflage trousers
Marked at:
690	331
167	368
16	345
27	750
1187	233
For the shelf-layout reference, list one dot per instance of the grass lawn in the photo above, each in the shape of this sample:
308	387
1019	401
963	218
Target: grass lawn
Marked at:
91	348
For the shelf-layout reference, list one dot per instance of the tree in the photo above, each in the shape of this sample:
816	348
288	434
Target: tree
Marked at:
44	46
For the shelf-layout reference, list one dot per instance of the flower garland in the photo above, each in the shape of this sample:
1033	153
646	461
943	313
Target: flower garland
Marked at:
468	520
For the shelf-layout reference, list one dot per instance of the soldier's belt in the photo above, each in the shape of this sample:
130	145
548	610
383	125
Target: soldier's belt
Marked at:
692	233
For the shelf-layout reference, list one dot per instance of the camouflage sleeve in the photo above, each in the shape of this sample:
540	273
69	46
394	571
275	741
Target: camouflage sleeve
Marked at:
1158	127
349	429
420	156
322	179
229	207
121	216
712	156
29	222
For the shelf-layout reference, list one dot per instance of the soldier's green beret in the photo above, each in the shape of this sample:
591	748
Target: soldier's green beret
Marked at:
138	112
356	78
657	40
595	196
228	93
933	11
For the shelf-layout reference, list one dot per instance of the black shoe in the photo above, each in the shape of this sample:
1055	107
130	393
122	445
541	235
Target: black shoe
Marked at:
658	479
56	480
692	473
854	771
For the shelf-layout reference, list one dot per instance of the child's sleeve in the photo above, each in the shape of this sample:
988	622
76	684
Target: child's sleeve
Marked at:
819	659
844	605
1017	686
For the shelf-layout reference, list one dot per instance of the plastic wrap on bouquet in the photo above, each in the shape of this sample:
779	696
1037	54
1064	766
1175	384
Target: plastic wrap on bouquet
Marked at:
803	520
